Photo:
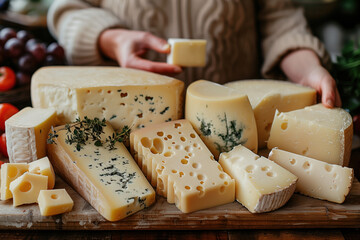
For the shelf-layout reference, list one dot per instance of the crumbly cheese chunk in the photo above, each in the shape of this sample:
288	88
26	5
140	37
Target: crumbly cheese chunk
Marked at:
187	52
53	202
43	167
10	172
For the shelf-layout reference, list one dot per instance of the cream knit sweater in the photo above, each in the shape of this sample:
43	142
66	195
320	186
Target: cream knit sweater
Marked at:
241	34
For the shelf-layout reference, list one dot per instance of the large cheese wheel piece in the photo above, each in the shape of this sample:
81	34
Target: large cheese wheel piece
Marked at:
187	52
26	133
10	172
109	180
181	167
221	116
268	95
316	178
316	131
124	97
261	185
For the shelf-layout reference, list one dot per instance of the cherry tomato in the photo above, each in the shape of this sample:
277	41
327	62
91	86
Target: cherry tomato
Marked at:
3	148
1	163
356	121
7	79
6	111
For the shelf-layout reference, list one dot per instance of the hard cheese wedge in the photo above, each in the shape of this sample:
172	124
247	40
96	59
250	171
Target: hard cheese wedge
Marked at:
268	95
124	97
53	202
43	167
261	185
181	167
316	131
221	116
109	180
316	178
9	172
187	52
26	133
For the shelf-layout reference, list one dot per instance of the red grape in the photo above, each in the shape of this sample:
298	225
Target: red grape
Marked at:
22	79
24	36
30	42
14	48
52	61
2	57
55	50
27	63
6	34
38	50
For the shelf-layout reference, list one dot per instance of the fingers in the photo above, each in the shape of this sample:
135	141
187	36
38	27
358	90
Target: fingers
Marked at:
155	43
156	67
329	94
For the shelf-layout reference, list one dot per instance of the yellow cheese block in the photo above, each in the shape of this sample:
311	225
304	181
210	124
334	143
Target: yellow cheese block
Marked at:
187	52
10	172
43	167
53	202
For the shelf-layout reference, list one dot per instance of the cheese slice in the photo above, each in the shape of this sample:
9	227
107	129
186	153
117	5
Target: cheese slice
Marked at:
43	167
109	180
268	95
187	52
26	133
53	202
26	188
316	178
261	185
124	97
10	172
178	163
316	131
221	116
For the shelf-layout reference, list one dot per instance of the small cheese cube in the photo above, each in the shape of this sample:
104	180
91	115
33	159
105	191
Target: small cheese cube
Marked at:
53	202
187	52
26	188
10	172
43	167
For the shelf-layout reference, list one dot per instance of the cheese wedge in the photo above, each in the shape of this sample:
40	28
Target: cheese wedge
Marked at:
187	52
268	95
221	116
10	172
316	178
261	185
53	202
43	167
316	131
178	163
26	134
109	180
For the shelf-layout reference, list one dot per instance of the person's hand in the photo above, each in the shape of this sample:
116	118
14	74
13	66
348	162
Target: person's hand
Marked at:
304	67
126	47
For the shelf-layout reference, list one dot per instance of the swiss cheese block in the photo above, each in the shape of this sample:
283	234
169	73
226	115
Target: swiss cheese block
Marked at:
53	202
109	180
221	116
124	97
178	163
261	185
26	133
268	95
43	167
9	172
187	52
316	178
316	131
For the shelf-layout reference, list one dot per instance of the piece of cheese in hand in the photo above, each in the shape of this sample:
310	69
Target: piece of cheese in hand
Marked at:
181	167
26	133
26	188
316	178
109	180
261	185
316	131
187	52
268	95
10	172
221	116
124	97
53	202
43	167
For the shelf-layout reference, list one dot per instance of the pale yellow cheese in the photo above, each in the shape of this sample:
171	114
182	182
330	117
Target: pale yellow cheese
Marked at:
261	185
43	167
179	164
268	95
26	133
9	172
316	131
53	202
316	178
221	116
187	52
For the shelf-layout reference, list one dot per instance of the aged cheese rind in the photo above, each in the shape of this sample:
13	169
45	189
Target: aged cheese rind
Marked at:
43	167
9	172
221	116
53	202
187	52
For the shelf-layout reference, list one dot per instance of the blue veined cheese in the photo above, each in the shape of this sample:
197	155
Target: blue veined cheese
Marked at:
124	97
221	116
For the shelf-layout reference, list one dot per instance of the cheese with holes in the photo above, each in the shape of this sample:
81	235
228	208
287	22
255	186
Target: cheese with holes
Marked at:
316	178
261	185
10	172
53	202
124	97
109	180
43	167
316	131
221	116
26	133
26	188
187	52
178	163
268	95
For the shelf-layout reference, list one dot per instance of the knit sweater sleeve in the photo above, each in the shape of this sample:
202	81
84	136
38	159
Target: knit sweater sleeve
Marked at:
77	25
283	29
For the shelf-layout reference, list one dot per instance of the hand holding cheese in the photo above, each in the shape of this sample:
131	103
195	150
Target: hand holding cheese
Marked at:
187	52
